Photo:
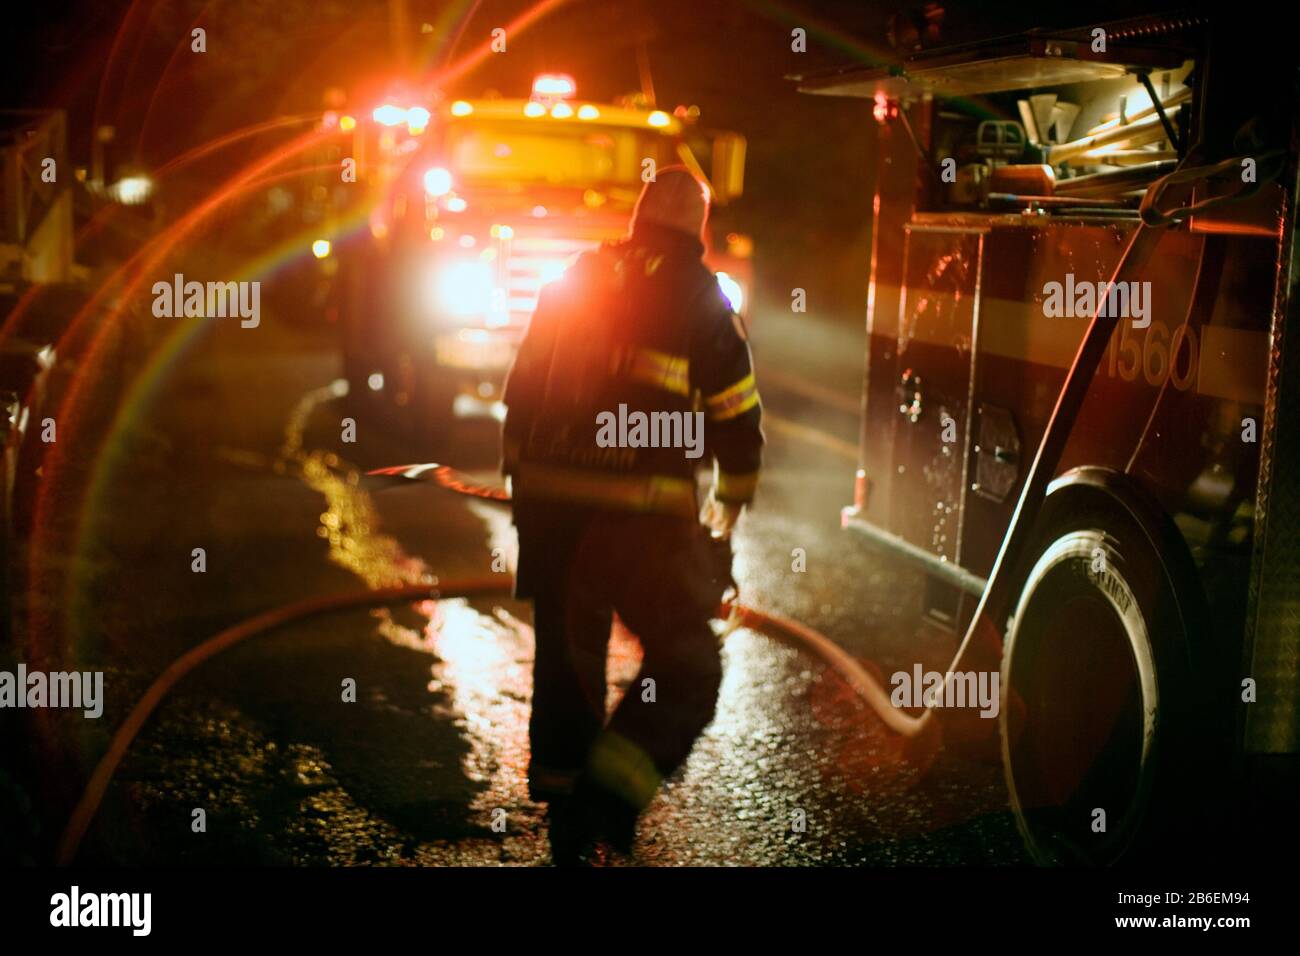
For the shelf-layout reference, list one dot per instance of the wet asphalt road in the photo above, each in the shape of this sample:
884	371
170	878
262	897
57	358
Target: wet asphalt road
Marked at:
237	451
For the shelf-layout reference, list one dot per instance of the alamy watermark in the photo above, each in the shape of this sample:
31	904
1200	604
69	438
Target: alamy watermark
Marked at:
75	908
919	688
1125	300
626	429
208	300
79	690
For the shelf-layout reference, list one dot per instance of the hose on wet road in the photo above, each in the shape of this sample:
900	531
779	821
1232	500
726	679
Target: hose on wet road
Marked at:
857	677
93	795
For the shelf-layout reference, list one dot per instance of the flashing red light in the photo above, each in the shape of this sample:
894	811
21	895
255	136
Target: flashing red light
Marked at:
883	108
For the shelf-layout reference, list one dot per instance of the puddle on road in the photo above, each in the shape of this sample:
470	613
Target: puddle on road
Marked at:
349	520
482	664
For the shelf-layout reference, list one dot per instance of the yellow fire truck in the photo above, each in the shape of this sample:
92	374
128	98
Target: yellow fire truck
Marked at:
473	206
1082	413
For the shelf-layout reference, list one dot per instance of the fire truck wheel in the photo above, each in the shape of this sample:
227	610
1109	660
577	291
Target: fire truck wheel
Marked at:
1097	692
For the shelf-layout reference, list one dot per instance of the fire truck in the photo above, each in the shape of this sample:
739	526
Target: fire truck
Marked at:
473	206
1081	410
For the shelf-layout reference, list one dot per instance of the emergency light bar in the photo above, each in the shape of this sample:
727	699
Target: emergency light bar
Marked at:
554	86
416	118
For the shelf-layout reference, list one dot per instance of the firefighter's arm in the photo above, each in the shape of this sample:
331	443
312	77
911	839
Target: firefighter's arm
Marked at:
722	370
526	382
529	377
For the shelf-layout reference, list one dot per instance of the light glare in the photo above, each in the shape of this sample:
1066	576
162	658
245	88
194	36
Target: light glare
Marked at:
437	181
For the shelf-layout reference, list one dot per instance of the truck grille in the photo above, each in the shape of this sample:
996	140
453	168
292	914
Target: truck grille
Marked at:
535	260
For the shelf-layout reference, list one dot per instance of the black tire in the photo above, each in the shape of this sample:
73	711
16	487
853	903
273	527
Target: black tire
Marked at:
1098	687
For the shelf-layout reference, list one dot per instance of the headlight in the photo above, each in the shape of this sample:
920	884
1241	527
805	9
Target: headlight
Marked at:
437	181
732	291
389	115
417	120
463	287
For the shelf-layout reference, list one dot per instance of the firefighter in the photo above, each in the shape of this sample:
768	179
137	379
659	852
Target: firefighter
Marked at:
614	526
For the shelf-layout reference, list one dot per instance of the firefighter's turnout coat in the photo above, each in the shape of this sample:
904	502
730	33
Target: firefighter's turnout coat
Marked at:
637	326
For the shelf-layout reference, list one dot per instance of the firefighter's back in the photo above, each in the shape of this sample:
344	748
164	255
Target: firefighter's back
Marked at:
602	405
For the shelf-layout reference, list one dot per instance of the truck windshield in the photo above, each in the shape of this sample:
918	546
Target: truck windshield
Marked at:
562	156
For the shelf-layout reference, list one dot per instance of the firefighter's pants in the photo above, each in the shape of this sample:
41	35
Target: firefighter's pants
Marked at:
656	573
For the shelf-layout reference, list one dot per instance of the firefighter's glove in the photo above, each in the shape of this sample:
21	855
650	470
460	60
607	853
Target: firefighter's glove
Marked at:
720	517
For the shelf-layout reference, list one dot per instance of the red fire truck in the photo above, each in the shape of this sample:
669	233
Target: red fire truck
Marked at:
473	206
1082	412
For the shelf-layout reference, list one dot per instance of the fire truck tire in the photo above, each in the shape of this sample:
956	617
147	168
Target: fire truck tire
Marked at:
1098	719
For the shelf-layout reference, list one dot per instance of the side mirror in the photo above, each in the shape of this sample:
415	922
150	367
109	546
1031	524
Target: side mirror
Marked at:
728	172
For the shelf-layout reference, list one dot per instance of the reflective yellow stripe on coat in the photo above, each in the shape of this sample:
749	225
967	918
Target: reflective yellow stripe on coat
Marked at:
660	369
734	487
733	400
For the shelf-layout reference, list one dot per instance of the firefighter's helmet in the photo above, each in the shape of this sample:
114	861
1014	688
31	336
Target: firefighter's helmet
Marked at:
674	199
